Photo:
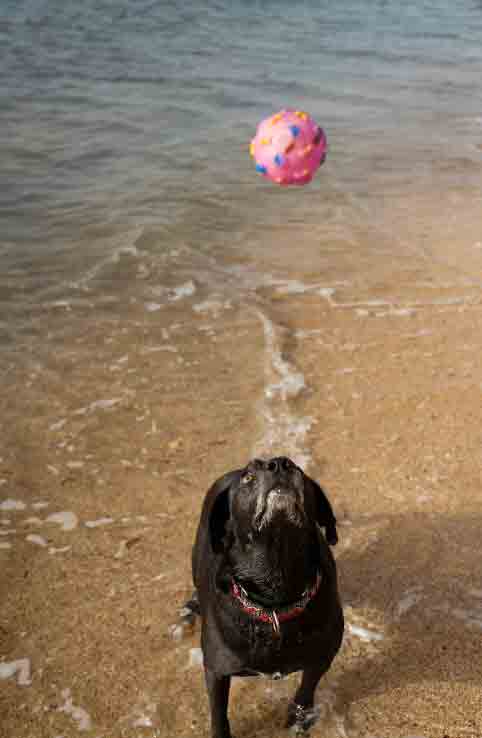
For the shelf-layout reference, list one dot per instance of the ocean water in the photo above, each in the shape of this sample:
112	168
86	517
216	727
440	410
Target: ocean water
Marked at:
125	131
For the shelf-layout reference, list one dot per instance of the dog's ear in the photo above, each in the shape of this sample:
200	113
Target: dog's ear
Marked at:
219	512
325	517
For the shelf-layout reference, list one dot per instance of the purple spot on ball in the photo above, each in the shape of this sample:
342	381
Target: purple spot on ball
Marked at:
318	137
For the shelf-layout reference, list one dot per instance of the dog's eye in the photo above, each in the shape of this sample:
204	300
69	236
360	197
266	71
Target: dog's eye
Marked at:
248	477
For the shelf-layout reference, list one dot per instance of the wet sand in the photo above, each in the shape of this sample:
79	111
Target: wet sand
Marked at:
113	429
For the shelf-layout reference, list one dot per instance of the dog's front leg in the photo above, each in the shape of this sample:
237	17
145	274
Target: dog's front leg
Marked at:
300	711
218	691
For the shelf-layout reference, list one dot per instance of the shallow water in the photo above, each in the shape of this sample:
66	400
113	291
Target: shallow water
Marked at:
125	129
130	202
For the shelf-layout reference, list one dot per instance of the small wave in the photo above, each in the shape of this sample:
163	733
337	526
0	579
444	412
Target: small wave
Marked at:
184	290
284	431
127	247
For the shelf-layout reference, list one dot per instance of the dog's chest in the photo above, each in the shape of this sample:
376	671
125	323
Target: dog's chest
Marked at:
276	654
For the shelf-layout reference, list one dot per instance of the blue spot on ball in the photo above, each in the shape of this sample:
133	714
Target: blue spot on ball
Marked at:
278	160
295	131
261	169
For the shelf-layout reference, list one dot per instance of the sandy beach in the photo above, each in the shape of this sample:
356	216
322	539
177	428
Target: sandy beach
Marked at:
114	429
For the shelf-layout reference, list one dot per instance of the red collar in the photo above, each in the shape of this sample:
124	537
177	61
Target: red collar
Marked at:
274	616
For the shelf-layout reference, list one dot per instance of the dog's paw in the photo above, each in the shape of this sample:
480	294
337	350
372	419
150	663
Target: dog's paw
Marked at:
188	614
301	719
187	619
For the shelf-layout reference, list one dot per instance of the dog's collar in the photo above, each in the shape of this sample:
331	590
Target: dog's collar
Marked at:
278	615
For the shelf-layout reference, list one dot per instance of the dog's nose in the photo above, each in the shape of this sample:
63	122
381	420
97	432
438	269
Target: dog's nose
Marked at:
279	464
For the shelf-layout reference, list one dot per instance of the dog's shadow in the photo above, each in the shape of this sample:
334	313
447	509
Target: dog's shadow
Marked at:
420	577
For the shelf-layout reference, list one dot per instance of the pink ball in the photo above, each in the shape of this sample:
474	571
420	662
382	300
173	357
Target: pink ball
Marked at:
288	147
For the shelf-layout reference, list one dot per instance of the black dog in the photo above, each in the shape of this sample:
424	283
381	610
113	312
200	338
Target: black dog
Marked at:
266	584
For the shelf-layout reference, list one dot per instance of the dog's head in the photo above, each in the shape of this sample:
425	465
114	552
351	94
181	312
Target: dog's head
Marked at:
264	495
